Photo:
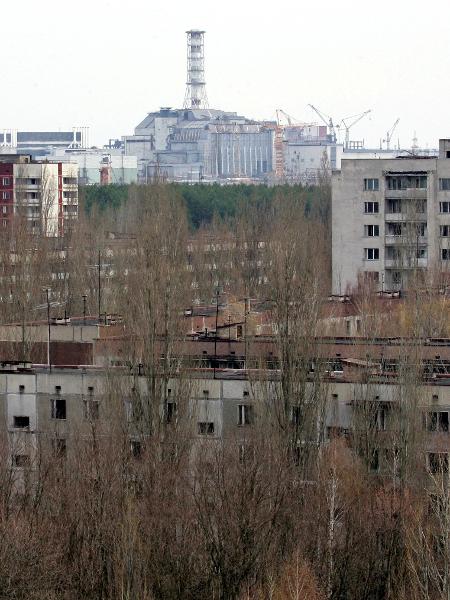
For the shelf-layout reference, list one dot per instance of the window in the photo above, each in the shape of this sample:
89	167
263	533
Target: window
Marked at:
444	184
21	461
444	207
421	252
394	206
21	422
59	447
21	389
371	253
205	428
171	412
445	253
136	448
380	419
404	182
58	407
437	421
394	228
371	230
445	230
205	394
5	180
438	462
295	416
371	207
5	195
371	185
245	414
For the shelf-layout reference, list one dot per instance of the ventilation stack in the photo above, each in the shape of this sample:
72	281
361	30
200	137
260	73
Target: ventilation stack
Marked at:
195	86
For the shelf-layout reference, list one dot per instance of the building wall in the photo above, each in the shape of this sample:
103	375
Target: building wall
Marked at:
397	212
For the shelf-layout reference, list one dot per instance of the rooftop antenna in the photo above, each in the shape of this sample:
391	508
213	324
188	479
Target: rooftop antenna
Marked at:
195	96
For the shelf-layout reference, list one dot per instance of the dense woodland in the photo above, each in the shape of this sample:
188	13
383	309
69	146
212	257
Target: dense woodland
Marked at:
286	515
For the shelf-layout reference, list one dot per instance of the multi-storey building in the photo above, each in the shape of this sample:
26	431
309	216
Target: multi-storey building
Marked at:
391	220
44	193
63	408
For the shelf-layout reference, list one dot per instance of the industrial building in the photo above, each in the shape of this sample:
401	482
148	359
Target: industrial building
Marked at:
196	143
44	193
42	143
99	166
391	221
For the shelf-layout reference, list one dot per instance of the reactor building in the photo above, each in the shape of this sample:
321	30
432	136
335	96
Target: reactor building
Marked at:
199	144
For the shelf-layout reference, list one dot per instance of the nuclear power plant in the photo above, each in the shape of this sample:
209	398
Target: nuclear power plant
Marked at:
198	143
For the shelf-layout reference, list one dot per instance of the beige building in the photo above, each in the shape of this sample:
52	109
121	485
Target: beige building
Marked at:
391	221
44	193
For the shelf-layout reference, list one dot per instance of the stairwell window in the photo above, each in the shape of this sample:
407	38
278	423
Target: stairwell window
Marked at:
371	185
371	230
371	208
372	253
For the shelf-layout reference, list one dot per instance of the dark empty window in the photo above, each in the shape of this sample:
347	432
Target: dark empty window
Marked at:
437	421
205	428
21	422
136	448
171	412
21	460
58	408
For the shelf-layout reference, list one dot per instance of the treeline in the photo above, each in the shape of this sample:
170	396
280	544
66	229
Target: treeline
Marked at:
203	202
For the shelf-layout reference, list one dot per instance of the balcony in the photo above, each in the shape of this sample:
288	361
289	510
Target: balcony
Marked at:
404	240
407	194
401	265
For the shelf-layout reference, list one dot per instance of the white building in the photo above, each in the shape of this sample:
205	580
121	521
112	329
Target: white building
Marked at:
391	221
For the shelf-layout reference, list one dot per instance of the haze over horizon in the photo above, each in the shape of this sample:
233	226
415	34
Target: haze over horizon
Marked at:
106	64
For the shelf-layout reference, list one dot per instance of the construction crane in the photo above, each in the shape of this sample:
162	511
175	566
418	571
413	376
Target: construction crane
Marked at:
290	120
389	134
348	126
327	120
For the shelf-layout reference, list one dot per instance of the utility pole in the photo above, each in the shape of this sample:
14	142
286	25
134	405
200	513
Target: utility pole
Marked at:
99	287
215	337
84	308
48	325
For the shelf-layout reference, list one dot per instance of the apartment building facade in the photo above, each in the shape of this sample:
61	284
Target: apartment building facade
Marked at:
44	193
391	221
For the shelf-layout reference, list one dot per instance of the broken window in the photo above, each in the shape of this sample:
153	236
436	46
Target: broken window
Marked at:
21	422
205	428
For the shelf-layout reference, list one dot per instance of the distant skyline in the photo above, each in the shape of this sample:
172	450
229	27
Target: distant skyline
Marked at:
106	64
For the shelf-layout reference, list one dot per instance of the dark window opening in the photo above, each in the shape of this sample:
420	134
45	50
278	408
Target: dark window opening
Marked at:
21	422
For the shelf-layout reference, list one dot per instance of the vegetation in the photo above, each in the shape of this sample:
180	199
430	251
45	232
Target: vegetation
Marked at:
203	202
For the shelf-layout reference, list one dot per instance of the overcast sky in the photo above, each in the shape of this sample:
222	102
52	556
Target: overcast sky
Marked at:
106	63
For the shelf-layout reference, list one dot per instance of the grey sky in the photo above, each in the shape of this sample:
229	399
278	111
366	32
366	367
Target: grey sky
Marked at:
105	64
